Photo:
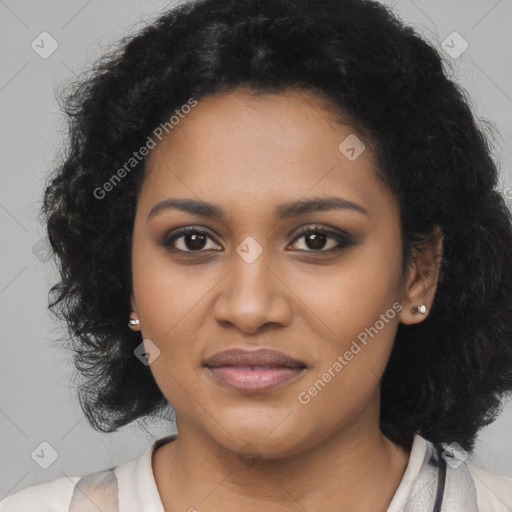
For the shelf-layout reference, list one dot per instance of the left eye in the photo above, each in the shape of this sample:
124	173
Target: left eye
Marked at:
315	240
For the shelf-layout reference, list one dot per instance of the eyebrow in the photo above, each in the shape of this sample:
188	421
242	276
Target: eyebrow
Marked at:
284	210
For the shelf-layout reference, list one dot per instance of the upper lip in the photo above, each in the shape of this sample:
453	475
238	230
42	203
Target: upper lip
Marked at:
259	357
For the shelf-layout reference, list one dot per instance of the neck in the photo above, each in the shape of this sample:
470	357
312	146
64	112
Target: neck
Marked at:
353	469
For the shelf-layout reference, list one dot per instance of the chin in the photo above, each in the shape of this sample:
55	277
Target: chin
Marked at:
259	434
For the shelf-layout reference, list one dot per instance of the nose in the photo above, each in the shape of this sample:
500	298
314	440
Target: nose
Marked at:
252	297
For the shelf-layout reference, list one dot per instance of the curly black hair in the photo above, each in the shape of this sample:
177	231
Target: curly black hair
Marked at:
447	374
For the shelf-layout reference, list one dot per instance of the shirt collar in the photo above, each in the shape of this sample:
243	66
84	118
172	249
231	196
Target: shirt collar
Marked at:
417	489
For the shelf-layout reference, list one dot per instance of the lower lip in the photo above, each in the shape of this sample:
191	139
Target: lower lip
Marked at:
256	379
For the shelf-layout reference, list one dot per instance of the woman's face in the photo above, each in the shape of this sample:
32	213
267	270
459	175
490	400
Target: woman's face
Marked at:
331	302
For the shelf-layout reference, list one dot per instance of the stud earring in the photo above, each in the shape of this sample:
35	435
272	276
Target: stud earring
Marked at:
133	322
419	309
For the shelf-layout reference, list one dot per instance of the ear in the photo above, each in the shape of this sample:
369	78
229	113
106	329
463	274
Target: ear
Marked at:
421	278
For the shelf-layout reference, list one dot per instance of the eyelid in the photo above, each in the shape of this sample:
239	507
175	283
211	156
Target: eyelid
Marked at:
331	231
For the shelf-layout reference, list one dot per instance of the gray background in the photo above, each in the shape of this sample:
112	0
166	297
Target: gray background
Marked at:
37	389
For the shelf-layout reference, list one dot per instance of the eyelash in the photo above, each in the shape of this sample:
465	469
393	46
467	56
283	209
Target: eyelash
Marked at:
343	240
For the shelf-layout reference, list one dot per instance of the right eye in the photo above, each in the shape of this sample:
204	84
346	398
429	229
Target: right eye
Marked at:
190	238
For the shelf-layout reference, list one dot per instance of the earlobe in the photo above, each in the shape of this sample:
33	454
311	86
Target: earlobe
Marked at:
133	322
421	279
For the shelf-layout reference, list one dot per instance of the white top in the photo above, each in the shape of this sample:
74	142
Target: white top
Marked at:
131	487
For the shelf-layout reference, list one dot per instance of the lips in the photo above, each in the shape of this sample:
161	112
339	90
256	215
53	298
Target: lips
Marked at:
257	358
253	371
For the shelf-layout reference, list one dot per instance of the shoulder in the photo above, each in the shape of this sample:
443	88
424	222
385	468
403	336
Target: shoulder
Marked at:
54	496
95	491
494	492
123	487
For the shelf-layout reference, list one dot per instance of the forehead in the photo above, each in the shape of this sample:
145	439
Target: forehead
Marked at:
237	147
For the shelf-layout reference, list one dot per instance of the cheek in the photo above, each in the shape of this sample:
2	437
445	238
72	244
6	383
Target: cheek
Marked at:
168	294
169	301
356	304
349	297
345	379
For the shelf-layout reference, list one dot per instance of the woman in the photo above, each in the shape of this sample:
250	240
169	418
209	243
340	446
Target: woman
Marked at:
282	219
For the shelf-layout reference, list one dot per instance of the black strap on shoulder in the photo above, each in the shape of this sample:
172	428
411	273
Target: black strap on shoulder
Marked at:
441	480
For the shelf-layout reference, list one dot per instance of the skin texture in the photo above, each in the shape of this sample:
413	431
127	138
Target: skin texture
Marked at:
248	155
